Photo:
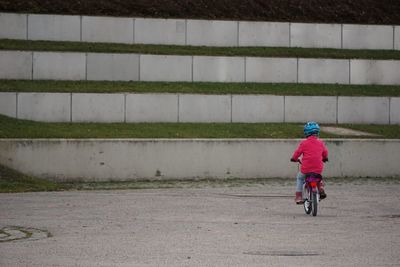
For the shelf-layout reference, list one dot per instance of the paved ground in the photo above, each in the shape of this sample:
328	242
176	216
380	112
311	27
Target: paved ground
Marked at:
357	225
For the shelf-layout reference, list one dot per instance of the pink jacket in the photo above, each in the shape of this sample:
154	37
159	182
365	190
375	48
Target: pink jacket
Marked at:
314	152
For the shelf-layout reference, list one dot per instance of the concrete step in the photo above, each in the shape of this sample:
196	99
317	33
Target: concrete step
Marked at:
31	65
132	107
197	32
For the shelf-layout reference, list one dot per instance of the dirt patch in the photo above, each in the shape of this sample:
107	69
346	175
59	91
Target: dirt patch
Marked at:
346	132
338	11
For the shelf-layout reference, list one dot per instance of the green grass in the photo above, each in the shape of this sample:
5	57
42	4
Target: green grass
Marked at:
13	128
6	44
198	88
13	181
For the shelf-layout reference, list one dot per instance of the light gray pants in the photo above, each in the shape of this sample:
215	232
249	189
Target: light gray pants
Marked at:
300	179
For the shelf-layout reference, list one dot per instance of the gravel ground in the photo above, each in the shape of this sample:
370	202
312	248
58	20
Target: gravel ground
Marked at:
357	225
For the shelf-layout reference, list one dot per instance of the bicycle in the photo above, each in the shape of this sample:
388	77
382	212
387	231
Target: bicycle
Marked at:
311	196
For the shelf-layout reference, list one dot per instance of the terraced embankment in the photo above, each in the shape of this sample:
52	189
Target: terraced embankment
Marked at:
337	96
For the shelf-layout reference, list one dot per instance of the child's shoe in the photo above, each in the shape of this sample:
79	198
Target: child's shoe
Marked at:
299	198
321	190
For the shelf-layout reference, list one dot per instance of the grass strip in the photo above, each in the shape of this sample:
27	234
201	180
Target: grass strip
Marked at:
197	88
27	45
14	128
14	181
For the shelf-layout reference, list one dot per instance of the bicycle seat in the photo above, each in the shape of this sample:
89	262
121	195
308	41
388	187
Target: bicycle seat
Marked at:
313	175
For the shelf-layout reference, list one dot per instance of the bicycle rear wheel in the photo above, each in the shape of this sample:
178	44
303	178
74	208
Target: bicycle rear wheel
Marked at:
314	203
307	199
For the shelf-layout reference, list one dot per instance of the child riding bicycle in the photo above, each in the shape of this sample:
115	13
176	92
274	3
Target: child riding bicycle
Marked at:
314	153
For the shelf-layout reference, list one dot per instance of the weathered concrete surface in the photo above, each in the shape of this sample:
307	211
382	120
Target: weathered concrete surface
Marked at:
54	27
255	33
8	104
315	35
357	225
13	26
15	65
112	67
160	31
132	159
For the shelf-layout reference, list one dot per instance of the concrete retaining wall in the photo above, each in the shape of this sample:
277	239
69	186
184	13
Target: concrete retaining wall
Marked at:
134	67
131	159
54	28
196	32
123	107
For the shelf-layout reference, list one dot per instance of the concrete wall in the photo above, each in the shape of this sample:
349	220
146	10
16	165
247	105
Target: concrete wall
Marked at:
204	108
13	26
212	33
107	29
218	69
315	35
48	107
323	71
257	108
160	31
363	110
122	107
253	33
54	28
98	108
59	66
132	159
112	67
152	107
367	37
395	110
8	104
166	68
16	65
271	70
197	32
397	37
311	108
135	67
374	71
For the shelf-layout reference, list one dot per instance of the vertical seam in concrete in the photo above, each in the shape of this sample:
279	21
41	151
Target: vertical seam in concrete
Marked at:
16	105
284	108
133	30
86	65
124	107
349	71
337	109
140	59
192	69
245	69
394	35
186	31
27	27
297	70
231	108
237	37
290	34
70	107
178	96
32	65
390	100
341	36
81	27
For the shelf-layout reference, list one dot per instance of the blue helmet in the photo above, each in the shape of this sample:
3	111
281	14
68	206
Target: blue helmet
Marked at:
311	128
